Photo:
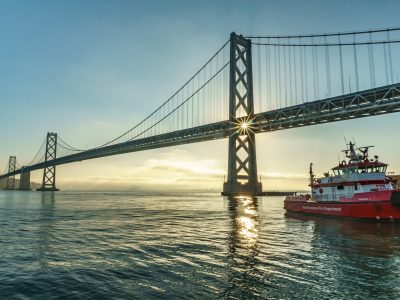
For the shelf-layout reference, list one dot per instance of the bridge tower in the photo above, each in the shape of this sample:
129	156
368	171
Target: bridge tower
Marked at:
12	164
49	172
242	163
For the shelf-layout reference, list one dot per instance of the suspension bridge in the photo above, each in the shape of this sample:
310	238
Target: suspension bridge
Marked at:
251	85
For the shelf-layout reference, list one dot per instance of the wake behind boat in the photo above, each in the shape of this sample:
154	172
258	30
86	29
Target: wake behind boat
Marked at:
357	188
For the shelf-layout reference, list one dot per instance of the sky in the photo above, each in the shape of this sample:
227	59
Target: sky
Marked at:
89	70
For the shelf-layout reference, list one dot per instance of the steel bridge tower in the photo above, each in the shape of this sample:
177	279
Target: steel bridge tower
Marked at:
49	172
242	163
12	165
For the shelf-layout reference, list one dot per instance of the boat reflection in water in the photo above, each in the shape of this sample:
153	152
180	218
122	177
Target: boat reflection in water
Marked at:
243	249
355	254
370	232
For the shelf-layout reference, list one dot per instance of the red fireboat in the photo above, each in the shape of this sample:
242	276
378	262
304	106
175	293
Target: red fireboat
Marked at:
358	188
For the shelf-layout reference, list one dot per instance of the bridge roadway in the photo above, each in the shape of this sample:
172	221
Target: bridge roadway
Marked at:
381	100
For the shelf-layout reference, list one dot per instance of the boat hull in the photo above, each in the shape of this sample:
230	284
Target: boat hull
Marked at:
387	209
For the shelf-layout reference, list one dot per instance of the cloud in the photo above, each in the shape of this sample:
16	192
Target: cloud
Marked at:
280	176
156	174
177	170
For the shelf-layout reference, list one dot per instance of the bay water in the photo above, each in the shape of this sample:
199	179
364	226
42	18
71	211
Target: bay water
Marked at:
117	245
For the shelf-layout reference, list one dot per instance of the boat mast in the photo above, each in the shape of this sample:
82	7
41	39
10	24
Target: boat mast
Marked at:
312	178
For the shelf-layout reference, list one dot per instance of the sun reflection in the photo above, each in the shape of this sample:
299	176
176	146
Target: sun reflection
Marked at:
243	252
248	230
245	223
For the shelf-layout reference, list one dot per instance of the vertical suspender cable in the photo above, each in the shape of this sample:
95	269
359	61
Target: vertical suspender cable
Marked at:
355	62
317	71
301	71
296	95
341	65
182	112
269	81
386	63
372	65
204	98
259	77
328	69
390	57
284	83
226	116
185	107
197	101
266	78
170	117
290	73
193	102
209	103
305	73
210	97
217	90
313	68
177	112
276	78
279	79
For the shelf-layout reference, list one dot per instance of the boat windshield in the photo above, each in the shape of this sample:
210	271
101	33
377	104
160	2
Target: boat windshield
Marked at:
371	169
361	169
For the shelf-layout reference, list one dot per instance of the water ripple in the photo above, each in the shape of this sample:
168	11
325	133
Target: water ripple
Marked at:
201	246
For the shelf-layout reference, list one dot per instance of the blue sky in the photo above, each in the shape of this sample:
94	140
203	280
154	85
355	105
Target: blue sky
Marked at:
89	70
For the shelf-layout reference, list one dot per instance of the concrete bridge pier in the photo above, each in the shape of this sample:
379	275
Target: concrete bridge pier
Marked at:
25	181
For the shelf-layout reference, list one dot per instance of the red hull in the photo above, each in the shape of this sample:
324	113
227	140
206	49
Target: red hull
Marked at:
385	208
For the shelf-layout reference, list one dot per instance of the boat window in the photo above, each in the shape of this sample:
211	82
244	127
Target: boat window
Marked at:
356	186
384	169
380	169
340	187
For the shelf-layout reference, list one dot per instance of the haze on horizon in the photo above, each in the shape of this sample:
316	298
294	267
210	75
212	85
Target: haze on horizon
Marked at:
90	70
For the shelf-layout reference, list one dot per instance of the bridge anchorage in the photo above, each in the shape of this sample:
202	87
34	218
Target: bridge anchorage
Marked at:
49	172
242	163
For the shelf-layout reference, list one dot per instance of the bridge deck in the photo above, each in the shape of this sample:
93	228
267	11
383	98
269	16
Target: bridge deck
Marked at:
381	100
